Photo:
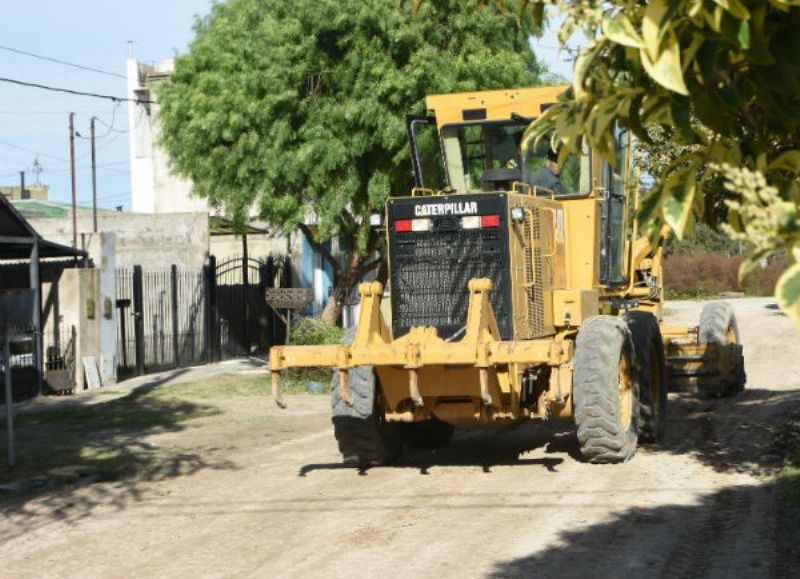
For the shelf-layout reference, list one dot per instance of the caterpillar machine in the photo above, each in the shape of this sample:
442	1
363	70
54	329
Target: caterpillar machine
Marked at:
512	301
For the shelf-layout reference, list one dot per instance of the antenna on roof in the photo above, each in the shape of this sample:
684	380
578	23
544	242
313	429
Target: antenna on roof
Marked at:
37	170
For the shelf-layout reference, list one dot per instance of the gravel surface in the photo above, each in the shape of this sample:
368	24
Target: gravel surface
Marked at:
269	498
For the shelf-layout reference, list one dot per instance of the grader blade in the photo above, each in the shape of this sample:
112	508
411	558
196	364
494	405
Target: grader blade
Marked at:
481	348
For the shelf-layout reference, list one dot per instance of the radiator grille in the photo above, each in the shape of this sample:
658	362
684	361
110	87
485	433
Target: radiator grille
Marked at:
535	275
430	273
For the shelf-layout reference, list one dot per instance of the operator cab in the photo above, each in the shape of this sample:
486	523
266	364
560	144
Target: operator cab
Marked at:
471	144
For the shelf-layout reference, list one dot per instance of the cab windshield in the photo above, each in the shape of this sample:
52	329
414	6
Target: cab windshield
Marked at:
487	157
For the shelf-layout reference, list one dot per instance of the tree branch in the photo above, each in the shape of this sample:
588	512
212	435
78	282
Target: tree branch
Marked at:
369	266
337	268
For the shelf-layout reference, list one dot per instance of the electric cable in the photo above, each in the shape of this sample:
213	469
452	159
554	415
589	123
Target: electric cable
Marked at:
58	61
73	92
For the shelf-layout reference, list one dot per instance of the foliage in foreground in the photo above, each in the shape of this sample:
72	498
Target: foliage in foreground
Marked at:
717	79
297	108
314	332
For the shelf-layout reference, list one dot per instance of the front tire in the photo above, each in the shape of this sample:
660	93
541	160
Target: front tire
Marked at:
652	372
606	390
365	439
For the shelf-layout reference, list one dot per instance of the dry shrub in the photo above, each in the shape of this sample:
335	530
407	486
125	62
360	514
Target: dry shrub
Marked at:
708	274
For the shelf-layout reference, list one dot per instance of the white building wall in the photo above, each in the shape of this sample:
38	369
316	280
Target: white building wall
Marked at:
140	144
154	188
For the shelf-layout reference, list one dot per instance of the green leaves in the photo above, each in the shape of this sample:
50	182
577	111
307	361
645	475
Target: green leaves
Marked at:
621	30
661	54
698	82
679	191
296	109
787	292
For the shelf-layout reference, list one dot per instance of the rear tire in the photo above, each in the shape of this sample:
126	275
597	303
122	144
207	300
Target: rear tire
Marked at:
606	390
718	326
365	439
652	374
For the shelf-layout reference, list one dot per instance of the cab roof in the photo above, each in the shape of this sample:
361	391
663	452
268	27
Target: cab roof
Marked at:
492	105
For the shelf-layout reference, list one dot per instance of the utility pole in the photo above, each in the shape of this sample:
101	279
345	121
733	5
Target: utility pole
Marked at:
94	179
72	170
22	185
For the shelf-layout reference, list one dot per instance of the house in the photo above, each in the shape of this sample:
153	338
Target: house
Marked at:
156	190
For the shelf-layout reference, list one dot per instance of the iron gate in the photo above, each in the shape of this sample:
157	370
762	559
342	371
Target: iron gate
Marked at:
171	318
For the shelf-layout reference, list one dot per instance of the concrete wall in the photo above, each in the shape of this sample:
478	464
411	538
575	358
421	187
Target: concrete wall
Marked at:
79	290
38	192
152	241
106	299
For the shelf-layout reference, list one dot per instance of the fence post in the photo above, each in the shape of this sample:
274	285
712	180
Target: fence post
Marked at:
213	344
270	282
175	343
138	318
246	290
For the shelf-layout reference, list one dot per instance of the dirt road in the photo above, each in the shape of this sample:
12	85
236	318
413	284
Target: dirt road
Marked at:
267	497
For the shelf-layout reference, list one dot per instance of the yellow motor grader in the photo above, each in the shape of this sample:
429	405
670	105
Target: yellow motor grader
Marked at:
512	299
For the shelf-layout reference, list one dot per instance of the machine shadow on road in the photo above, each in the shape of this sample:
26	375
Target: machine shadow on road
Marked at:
485	450
728	434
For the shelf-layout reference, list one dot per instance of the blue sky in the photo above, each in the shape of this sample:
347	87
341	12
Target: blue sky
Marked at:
34	123
94	33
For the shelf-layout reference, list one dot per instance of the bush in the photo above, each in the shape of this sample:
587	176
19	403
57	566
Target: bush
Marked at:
314	332
708	274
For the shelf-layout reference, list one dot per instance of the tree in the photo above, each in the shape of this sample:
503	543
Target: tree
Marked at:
719	82
297	108
719	78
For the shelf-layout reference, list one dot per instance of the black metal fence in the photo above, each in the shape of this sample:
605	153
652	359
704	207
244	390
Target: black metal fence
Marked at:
161	319
58	339
172	318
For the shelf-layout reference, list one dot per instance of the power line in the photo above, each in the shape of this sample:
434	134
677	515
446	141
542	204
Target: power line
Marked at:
64	62
110	126
74	92
61	112
13	146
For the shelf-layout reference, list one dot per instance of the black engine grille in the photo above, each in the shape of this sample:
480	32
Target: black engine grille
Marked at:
431	270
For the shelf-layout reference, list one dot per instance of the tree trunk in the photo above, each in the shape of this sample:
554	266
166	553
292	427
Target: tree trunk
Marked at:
343	286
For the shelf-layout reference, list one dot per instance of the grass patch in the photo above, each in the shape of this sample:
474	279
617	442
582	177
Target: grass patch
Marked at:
260	384
109	436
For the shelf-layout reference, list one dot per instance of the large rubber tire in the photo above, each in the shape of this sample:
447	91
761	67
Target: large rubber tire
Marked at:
606	390
429	434
651	366
365	439
718	326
